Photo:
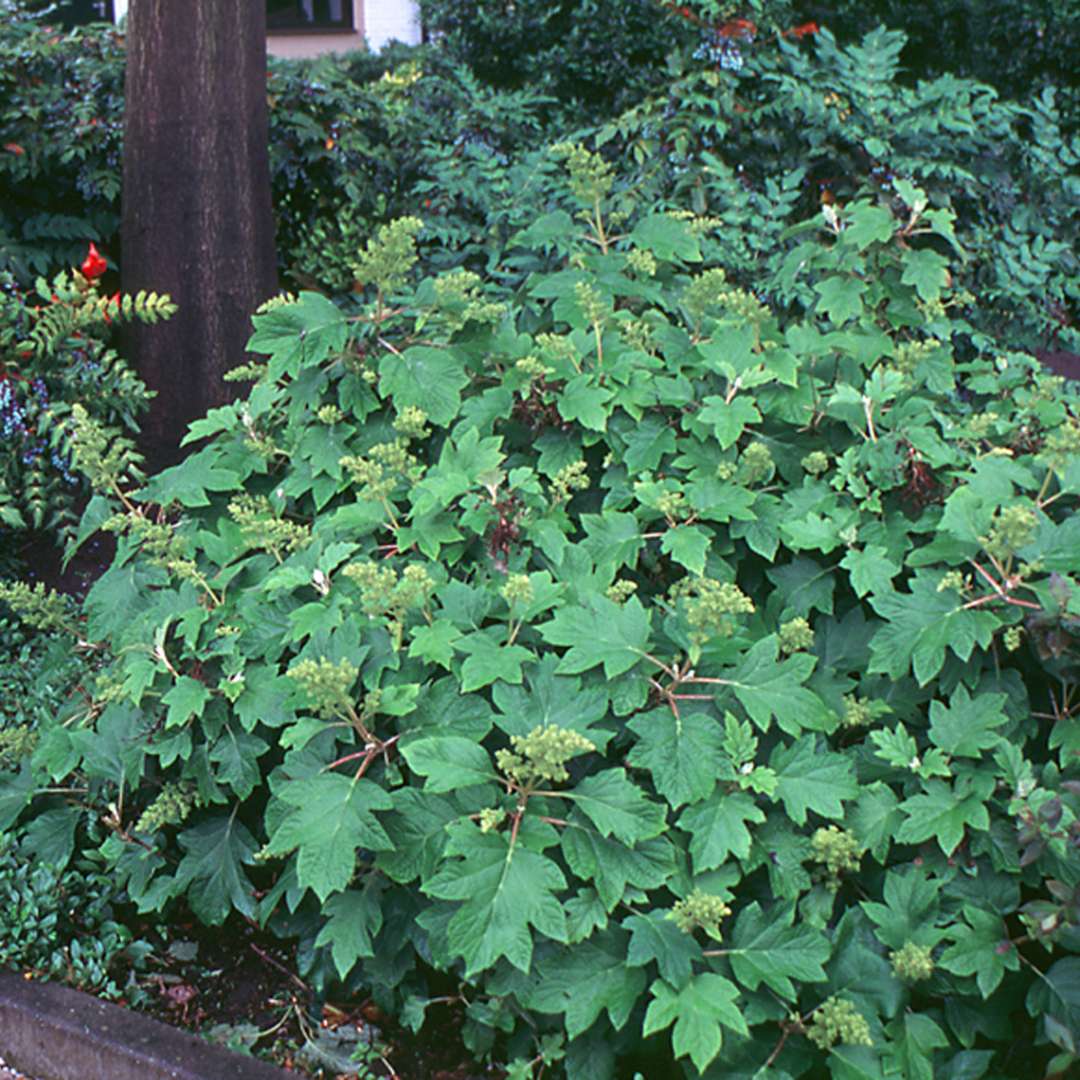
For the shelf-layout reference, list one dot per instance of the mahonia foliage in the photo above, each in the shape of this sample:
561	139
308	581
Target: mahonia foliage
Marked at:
644	660
60	384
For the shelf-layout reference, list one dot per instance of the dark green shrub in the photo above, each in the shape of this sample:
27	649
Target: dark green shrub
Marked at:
61	127
678	676
1020	47
358	140
804	123
590	56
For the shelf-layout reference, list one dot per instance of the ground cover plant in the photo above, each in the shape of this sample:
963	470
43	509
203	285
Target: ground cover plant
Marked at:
59	918
654	673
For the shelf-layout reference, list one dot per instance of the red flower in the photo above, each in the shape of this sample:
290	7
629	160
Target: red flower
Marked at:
738	28
14	148
93	265
805	30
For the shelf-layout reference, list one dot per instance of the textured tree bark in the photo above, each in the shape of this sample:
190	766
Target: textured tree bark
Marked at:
197	217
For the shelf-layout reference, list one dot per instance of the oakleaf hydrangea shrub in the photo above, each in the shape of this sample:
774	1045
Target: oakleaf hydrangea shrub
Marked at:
673	681
56	364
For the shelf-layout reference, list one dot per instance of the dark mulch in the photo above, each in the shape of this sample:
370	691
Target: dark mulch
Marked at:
229	982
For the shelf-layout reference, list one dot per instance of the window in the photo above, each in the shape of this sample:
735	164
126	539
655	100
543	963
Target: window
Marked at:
309	15
77	12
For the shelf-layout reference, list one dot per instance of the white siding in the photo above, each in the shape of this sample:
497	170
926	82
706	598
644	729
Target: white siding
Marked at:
385	20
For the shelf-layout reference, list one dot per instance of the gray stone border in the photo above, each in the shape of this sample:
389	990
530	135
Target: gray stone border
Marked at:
52	1033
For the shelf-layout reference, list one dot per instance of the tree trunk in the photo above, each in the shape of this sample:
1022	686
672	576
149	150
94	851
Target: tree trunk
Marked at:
197	216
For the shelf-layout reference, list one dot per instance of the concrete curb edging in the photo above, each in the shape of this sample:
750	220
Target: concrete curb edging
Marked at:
53	1033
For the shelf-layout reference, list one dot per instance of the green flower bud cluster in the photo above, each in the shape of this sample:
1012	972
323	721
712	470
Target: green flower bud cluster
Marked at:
517	590
260	527
106	462
491	819
251	372
1013	528
329	415
815	463
932	310
389	255
411	423
533	368
279	301
590	175
377	582
861	712
385	465
710	606
795	635
672	504
702	224
258	442
700	910
642	262
38	606
910	354
592	304
620	591
171	807
981	424
912	962
837	1020
160	544
570	478
558	347
1012	638
705	292
756	464
384	593
16	743
954	580
743	306
638	334
541	756
109	686
1062	446
838	850
328	685
460	300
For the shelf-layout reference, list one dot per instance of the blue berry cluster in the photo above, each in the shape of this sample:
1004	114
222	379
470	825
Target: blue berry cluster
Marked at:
14	427
722	52
12	415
